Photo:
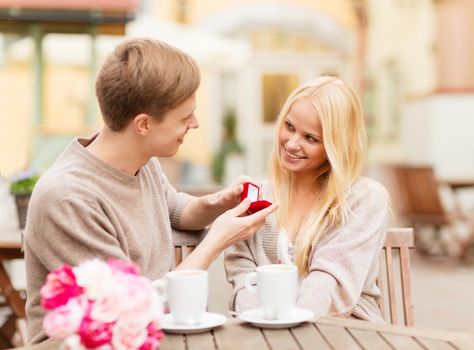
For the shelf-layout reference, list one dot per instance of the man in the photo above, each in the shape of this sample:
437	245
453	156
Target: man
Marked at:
106	196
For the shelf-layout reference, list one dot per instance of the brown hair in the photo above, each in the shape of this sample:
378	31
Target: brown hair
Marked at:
144	76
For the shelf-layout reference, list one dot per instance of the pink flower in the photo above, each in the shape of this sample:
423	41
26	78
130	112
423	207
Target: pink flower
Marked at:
129	333
94	334
60	286
102	306
110	304
138	293
123	266
153	339
64	320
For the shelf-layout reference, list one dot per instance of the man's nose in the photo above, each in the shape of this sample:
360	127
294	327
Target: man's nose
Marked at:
194	123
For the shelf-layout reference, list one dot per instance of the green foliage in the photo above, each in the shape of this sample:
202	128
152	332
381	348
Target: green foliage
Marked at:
24	182
229	145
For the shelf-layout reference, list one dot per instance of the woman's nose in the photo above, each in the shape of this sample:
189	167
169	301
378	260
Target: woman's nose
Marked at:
293	142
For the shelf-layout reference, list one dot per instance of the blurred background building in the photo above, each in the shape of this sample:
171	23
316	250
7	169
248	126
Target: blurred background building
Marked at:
410	60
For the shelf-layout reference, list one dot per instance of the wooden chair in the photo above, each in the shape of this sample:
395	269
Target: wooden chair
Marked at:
396	249
417	201
396	252
14	326
184	243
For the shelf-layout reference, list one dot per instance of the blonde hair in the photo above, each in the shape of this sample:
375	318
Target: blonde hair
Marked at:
340	114
144	76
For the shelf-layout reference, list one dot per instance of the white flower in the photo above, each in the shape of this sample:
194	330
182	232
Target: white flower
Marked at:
94	276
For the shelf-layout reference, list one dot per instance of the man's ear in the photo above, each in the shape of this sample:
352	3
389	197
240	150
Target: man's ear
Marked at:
142	123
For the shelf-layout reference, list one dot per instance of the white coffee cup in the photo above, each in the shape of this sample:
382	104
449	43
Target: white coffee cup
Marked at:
277	286
186	292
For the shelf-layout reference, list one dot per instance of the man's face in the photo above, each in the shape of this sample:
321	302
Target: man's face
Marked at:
168	135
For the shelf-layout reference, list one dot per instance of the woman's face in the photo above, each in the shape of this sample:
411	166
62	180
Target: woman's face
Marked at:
301	148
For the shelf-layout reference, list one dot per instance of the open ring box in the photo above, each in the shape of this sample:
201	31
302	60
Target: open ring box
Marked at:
253	192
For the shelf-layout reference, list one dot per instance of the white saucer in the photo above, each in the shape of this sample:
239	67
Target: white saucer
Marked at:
210	320
255	317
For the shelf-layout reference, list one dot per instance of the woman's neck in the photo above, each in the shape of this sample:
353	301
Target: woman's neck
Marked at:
305	185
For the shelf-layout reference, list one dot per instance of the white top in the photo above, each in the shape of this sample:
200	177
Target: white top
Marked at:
286	250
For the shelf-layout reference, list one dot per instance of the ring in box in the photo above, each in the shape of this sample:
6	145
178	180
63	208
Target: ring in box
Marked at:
253	192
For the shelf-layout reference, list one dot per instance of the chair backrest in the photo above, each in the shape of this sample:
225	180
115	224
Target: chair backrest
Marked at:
415	193
396	250
184	243
181	252
394	276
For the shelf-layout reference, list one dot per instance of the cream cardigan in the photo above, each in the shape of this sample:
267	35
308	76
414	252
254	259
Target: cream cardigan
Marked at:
344	264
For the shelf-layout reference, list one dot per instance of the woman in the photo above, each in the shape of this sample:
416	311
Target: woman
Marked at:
331	222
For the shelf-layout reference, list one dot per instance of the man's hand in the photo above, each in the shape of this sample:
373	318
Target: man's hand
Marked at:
231	227
229	197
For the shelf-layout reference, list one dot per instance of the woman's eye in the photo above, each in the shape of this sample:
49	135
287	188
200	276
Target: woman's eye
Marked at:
310	139
289	126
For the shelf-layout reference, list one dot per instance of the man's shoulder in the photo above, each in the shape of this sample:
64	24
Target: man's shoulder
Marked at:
60	182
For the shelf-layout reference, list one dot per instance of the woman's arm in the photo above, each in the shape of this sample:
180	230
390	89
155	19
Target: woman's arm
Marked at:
343	261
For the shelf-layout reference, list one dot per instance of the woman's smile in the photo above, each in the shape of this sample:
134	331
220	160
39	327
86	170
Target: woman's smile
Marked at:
293	156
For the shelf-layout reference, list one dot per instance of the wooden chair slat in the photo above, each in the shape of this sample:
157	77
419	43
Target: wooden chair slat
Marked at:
382	288
406	287
391	285
398	240
178	255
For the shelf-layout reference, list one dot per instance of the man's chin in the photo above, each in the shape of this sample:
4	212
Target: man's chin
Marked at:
168	154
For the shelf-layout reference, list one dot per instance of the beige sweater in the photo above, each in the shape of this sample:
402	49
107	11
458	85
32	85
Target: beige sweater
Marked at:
83	208
344	264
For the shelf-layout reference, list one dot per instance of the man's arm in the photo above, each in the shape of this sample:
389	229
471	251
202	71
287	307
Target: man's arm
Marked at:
202	211
228	229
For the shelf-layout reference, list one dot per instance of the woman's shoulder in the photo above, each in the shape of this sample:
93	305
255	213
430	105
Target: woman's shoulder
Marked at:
368	188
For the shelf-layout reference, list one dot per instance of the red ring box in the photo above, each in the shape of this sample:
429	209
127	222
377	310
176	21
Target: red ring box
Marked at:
252	191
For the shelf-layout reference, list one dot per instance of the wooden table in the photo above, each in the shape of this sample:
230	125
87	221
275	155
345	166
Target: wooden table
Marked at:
326	333
10	248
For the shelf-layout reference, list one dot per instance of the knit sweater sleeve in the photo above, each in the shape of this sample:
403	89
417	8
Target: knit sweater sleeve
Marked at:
71	230
175	200
342	261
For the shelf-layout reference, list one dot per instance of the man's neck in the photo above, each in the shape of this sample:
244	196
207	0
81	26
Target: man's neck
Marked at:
119	150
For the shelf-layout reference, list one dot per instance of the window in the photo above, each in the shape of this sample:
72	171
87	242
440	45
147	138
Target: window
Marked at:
276	88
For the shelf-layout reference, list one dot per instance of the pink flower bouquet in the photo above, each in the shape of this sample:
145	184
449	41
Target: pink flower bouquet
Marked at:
102	305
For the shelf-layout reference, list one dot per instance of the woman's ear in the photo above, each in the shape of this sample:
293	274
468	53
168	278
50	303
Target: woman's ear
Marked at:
142	123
